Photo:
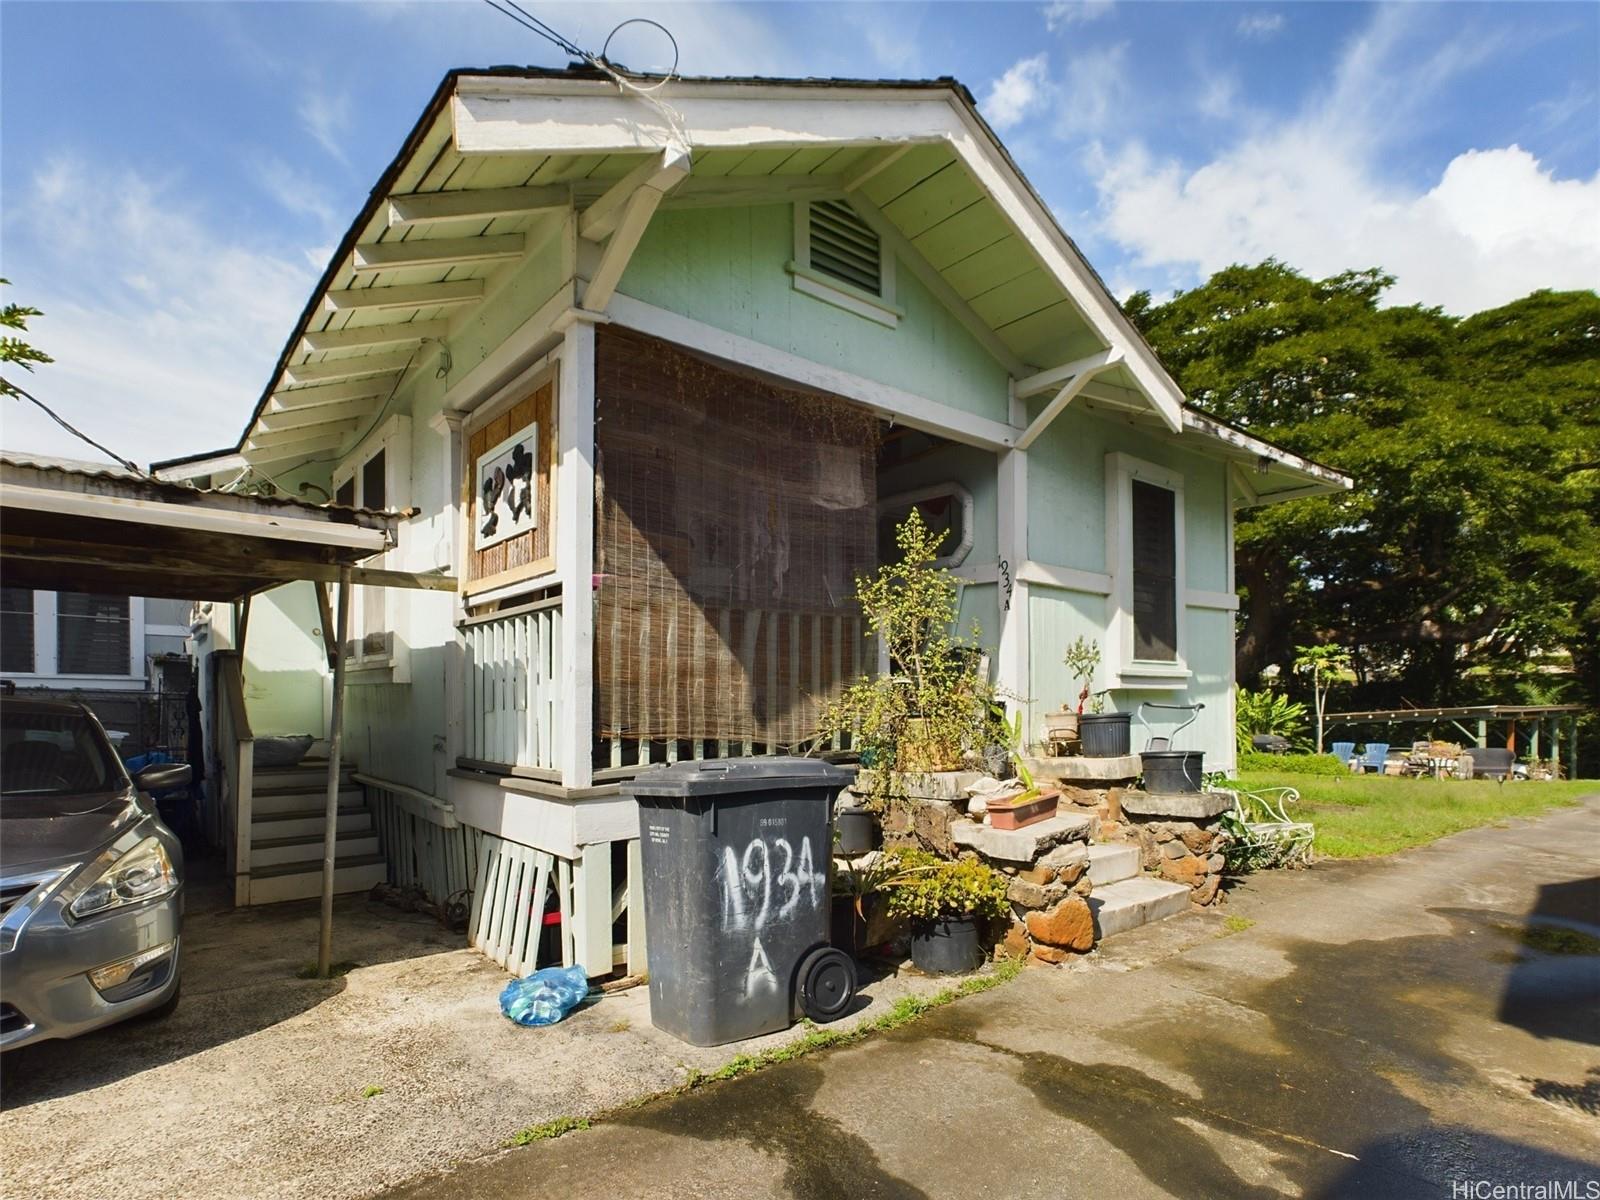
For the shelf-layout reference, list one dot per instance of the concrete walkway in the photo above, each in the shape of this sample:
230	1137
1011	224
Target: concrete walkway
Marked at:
1381	1030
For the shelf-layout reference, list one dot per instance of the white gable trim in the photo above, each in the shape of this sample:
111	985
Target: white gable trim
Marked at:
493	115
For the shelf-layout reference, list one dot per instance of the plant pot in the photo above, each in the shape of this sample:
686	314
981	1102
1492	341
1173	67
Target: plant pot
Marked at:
856	831
1014	814
1061	726
1173	770
947	947
1104	735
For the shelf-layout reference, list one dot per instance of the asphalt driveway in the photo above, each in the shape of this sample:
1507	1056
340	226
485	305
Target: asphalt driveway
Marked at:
1386	1028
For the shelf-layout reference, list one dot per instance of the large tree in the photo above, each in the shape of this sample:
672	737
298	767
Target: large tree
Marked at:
1469	550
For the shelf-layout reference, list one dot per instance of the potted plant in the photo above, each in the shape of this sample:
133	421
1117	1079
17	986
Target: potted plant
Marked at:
1032	803
933	709
946	905
1082	660
859	895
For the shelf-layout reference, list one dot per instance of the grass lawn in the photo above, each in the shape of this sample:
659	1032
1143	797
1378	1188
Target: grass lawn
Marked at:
1365	815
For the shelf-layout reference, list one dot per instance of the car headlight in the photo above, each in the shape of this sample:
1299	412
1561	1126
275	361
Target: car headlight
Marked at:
142	873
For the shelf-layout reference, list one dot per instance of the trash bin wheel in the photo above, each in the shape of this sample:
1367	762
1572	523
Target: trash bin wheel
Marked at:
826	984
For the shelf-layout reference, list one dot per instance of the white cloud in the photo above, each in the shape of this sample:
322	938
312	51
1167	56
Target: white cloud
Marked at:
1493	225
1218	96
164	328
1060	13
1096	94
1018	92
1261	25
327	118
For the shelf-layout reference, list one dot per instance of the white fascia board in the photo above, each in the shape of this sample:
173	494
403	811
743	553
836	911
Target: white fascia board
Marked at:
1316	478
515	116
191	516
183	472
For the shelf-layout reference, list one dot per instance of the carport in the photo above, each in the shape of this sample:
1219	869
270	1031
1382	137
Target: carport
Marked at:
67	526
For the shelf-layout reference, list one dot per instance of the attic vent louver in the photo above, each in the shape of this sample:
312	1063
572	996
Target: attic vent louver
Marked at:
845	247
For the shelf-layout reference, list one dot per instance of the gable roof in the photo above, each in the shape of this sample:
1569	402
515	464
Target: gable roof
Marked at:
502	156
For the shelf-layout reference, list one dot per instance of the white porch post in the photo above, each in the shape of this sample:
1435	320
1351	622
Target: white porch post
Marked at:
448	424
575	552
1012	675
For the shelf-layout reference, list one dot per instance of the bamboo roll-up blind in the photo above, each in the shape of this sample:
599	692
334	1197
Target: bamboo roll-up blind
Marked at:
732	517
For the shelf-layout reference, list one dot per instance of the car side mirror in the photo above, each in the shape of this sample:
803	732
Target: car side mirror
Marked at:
163	777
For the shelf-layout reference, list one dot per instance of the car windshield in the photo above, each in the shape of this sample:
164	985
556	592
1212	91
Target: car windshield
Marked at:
48	752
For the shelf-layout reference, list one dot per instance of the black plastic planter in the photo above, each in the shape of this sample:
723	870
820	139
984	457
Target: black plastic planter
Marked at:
857	831
946	947
1172	770
1104	735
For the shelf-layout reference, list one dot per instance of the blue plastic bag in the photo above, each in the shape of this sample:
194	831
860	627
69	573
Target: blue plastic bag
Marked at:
546	996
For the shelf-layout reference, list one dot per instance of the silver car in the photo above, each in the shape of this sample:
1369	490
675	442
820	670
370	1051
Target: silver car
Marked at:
91	881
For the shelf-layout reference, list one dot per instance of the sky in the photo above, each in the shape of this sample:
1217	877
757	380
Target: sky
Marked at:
174	176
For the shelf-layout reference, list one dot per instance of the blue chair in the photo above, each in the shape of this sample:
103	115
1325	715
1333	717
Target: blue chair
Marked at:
1373	756
1344	751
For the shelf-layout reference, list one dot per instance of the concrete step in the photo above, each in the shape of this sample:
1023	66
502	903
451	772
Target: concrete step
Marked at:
303	880
272	852
308	822
1131	903
1112	862
265	804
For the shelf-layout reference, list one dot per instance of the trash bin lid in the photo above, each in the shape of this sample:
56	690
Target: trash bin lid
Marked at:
720	776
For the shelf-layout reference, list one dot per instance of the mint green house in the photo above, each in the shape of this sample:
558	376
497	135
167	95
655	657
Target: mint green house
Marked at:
651	379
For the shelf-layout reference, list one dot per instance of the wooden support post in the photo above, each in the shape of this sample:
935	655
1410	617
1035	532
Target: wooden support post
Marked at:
574	536
1012	600
325	614
1572	747
1483	734
241	627
330	832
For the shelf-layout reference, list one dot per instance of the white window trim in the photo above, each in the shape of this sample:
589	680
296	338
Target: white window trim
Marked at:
837	292
955	491
46	651
393	665
542	370
1128	672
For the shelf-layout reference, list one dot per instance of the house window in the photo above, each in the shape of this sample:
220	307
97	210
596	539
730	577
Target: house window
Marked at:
1145	559
376	476
16	630
92	634
1155	574
840	258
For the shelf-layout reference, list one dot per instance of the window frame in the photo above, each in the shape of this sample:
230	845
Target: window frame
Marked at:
1131	672
46	652
391	664
822	286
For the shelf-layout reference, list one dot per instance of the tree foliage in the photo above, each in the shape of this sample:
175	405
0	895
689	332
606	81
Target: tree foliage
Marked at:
14	351
1467	558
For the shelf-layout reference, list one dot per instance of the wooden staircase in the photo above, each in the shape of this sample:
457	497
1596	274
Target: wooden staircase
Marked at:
288	810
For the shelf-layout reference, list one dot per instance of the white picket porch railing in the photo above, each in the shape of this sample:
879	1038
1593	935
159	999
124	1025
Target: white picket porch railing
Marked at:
423	843
513	687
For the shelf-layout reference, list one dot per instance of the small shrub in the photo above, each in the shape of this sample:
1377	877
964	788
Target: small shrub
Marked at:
927	888
1271	712
1293	764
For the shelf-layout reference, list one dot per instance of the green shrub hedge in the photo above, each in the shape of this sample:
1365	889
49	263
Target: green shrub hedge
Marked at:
1293	764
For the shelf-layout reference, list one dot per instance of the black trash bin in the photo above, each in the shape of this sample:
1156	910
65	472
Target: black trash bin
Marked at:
736	854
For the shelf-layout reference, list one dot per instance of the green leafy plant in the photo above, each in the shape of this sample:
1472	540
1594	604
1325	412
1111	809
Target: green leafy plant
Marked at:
1269	712
1294	764
927	888
934	708
1083	660
14	352
1328	666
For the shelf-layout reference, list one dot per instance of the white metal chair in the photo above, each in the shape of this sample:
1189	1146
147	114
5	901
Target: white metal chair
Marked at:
1265	833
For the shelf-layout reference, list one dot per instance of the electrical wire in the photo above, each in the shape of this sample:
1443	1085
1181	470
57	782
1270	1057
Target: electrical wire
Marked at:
673	118
24	394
